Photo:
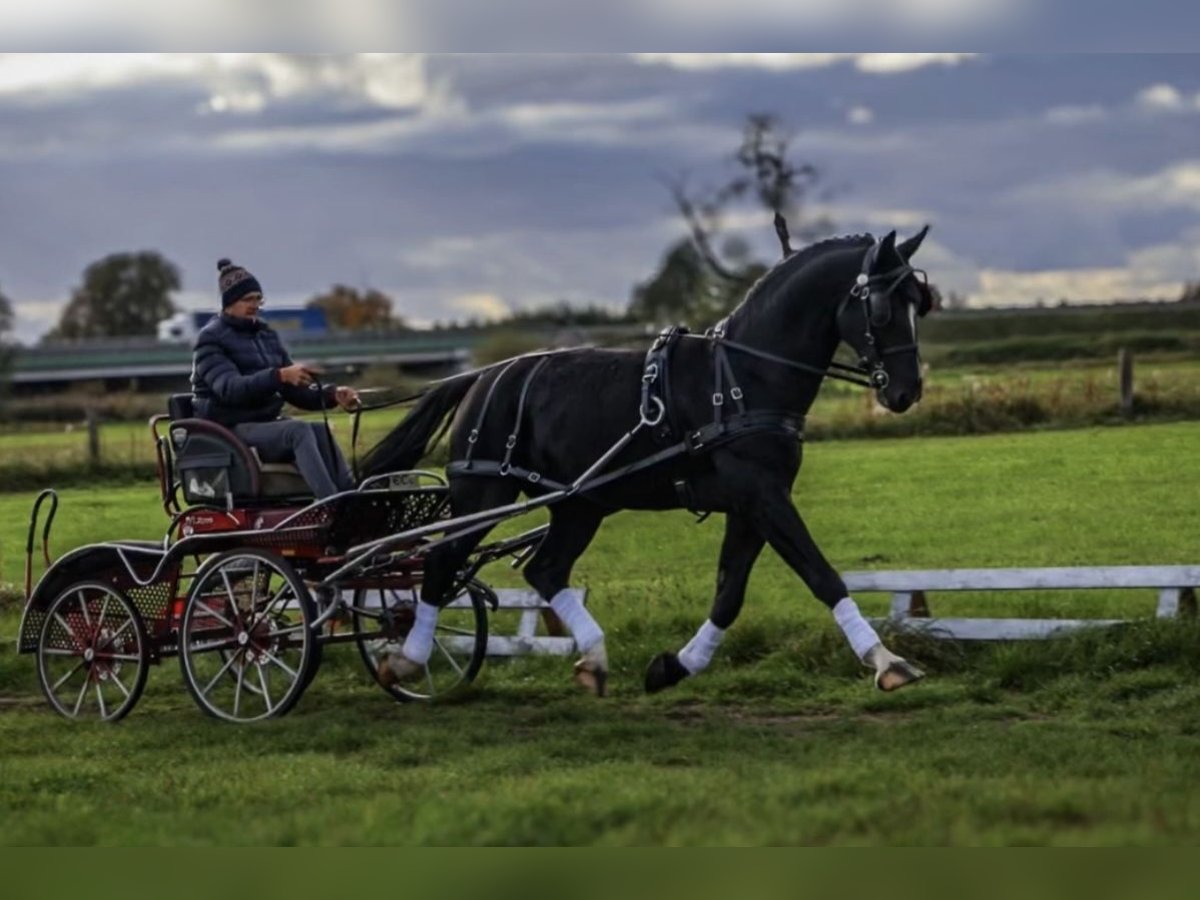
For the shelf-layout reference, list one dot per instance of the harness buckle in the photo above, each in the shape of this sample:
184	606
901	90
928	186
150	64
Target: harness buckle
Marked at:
473	437
651	374
735	393
505	468
718	399
511	442
534	477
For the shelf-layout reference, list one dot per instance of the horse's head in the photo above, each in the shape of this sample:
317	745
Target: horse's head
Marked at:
878	319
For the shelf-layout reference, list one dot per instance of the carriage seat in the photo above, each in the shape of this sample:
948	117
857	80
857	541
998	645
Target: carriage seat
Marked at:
213	464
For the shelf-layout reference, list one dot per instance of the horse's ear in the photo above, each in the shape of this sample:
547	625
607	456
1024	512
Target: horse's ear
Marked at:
912	245
887	246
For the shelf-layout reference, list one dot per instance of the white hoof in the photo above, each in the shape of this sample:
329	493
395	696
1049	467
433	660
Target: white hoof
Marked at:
395	668
892	672
591	670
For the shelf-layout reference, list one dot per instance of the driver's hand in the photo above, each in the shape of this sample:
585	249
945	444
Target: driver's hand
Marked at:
294	374
347	398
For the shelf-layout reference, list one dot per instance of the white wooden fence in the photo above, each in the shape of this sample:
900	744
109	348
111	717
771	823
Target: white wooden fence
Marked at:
1176	587
526	640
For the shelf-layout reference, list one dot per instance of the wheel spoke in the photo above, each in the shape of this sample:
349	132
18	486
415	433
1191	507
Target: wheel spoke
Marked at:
429	680
79	699
66	677
100	698
233	604
123	657
119	683
87	620
116	634
63	622
273	658
266	610
103	613
262	680
225	668
449	658
237	691
216	615
59	651
450	628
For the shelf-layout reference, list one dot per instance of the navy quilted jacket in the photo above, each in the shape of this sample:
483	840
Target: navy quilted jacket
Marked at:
235	373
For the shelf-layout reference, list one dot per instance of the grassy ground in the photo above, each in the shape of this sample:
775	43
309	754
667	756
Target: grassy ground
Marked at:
1091	740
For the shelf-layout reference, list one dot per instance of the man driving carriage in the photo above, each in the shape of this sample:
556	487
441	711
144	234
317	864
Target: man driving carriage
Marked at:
242	375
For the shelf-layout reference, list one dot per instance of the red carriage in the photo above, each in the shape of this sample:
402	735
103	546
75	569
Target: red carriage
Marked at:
252	579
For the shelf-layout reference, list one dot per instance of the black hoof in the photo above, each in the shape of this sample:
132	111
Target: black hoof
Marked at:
665	671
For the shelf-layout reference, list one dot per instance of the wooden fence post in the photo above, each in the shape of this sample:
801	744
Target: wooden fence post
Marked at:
93	430
1125	368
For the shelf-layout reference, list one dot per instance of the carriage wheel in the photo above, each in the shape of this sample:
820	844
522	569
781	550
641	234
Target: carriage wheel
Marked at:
245	641
93	655
459	643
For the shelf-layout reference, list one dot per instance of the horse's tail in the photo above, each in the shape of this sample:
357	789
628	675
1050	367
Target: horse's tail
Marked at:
408	442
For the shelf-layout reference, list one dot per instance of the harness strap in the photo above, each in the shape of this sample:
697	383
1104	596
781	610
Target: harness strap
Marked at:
516	430
803	367
473	437
734	390
701	439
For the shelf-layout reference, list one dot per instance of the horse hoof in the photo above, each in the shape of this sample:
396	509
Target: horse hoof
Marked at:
592	677
664	671
898	674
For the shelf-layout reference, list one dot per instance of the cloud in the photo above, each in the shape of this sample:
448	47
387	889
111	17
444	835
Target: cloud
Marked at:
233	82
1160	98
1157	272
1176	186
480	306
1076	115
1097	285
875	63
860	115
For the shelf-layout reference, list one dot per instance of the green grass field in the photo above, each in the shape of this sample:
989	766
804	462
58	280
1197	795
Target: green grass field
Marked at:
1089	740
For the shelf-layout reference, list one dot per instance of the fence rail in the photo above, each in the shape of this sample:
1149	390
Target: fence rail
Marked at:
910	610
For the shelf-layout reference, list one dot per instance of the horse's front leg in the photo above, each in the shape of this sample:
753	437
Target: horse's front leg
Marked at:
778	521
739	550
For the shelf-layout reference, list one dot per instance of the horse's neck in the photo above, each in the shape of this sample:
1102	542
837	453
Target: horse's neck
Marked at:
799	328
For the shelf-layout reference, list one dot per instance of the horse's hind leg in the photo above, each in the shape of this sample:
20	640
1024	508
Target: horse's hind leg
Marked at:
442	565
573	524
739	551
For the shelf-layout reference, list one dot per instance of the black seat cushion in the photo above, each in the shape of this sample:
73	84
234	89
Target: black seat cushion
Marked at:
179	406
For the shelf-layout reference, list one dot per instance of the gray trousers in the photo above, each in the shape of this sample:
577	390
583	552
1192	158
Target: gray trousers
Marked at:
307	444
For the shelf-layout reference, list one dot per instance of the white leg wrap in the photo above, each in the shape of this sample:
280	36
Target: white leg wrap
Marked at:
858	631
419	643
699	651
570	609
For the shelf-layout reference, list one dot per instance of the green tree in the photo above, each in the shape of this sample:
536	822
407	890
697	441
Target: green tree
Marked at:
702	278
347	308
122	295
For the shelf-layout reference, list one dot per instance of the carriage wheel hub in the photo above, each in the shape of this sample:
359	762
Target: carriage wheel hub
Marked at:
89	654
243	638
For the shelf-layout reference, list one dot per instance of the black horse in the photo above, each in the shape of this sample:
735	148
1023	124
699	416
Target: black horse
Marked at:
541	421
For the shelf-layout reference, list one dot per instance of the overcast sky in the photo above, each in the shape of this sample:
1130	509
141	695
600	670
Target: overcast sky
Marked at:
469	185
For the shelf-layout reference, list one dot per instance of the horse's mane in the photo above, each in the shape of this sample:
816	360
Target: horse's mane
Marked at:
789	264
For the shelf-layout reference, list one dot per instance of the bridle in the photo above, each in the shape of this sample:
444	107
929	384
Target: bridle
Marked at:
877	313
